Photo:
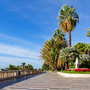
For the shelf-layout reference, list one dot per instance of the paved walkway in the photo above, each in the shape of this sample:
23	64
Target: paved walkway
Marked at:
46	81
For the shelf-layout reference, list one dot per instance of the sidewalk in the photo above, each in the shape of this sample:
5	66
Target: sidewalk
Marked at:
49	81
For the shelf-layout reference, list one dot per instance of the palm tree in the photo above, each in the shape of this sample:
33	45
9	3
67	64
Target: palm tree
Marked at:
51	49
58	34
84	57
67	56
23	65
87	48
68	19
88	32
50	53
80	47
17	67
30	67
11	67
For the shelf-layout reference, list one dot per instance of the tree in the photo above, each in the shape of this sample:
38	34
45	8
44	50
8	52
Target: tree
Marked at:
80	47
23	65
11	67
26	67
88	32
40	69
30	67
17	67
68	55
84	57
45	66
68	19
50	52
84	60
35	69
2	69
51	49
87	48
58	36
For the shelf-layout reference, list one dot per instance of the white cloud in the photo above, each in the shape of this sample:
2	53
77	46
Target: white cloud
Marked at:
15	40
17	51
5	61
23	50
22	41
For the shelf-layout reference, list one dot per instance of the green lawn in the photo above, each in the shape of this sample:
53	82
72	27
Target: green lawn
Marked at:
73	72
49	70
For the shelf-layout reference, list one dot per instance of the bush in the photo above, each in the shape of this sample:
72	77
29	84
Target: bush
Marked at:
72	66
84	64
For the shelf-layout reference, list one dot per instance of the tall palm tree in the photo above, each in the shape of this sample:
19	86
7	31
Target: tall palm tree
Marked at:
88	32
68	19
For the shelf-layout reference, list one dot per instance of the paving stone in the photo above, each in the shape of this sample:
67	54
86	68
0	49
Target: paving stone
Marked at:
37	89
46	81
59	88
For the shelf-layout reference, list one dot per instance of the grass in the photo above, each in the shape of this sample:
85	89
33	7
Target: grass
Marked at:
73	72
49	70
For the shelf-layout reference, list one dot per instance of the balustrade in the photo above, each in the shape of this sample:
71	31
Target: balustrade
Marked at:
16	73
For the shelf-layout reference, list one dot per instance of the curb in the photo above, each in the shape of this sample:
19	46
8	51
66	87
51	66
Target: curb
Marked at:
74	75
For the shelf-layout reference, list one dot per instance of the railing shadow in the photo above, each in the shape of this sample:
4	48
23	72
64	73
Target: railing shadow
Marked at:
16	80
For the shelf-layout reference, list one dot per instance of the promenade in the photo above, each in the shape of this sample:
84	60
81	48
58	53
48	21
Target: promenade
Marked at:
45	81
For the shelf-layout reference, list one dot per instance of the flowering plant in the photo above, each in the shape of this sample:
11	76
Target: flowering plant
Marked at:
81	69
67	69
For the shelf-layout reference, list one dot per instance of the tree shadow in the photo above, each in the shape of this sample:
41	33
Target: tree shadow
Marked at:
8	82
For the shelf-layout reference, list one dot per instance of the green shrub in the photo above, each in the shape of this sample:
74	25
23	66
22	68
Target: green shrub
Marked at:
72	66
84	64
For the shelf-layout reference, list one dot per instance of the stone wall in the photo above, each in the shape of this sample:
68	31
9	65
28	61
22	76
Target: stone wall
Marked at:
16	73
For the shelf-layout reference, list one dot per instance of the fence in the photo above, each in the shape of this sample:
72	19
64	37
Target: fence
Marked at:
16	73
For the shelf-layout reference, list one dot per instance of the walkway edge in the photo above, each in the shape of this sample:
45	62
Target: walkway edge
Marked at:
73	75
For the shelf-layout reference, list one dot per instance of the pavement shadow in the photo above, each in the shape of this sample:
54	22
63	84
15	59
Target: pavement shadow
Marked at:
8	82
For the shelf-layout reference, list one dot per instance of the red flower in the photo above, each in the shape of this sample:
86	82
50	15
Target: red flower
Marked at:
88	69
78	69
81	69
67	69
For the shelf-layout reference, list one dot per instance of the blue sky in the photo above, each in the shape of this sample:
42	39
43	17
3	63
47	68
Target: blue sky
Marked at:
26	24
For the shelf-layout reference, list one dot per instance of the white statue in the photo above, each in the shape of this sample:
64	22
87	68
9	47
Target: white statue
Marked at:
77	63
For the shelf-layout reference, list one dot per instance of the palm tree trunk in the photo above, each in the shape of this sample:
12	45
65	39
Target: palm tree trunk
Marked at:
68	64
65	64
88	52
69	37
